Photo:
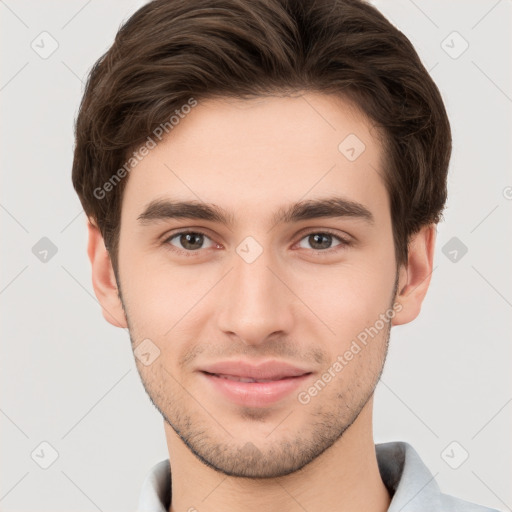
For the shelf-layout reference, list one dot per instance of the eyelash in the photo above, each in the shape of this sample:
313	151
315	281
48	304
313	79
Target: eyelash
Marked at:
343	242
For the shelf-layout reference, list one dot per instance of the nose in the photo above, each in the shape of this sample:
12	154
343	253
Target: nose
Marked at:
256	300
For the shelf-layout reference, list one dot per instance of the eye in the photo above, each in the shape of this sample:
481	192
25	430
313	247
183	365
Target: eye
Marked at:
188	241
322	241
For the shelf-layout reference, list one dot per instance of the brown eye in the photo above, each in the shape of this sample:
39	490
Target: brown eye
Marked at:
188	241
323	241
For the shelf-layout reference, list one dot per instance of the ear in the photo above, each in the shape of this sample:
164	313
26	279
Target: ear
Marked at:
414	278
103	279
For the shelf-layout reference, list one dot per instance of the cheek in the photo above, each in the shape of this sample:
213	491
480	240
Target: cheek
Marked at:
162	301
350	297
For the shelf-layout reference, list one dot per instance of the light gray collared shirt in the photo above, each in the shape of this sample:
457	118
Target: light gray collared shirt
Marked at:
409	482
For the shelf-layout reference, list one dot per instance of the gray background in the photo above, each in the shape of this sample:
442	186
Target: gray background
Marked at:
69	379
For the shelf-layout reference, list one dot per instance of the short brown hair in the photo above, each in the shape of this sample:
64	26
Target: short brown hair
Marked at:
172	50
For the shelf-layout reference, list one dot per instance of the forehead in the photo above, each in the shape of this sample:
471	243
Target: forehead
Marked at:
247	155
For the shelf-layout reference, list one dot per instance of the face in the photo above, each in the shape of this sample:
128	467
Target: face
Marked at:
266	298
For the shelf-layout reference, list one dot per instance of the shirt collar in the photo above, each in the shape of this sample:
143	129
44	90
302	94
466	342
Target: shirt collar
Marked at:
407	479
409	482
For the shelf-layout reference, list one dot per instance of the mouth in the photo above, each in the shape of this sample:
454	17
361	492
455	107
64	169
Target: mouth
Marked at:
239	378
254	386
267	370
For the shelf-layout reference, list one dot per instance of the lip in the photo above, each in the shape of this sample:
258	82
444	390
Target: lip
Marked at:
269	369
284	379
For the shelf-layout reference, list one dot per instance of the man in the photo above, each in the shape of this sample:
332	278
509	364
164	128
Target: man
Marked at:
263	180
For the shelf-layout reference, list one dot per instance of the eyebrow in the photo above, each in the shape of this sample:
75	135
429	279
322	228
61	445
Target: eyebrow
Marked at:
163	209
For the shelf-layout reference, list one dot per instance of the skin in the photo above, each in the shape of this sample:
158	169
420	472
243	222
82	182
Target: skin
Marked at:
293	303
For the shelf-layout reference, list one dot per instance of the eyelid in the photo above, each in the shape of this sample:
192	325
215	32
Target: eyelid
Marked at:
183	231
327	231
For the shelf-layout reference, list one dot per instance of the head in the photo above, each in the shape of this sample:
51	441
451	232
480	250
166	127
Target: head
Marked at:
262	181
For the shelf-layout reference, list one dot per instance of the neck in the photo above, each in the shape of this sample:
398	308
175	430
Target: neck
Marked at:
344	477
